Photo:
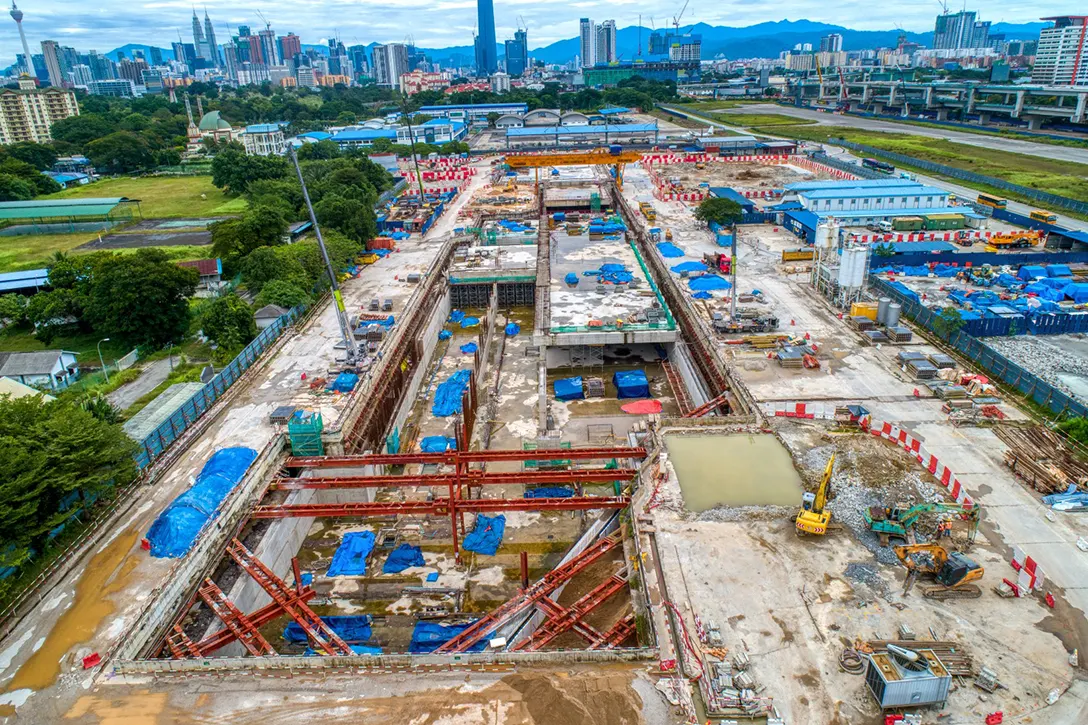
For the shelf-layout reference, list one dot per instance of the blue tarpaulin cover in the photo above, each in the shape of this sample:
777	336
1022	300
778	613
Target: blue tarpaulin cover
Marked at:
350	556
1031	271
354	628
549	492
631	384
689	267
1006	280
344	382
456	316
571	278
1078	292
445	335
437	444
702	296
176	528
1059	270
1045	292
513	328
668	250
614	273
569	389
403	557
708	282
359	649
447	399
486	534
469	347
429	636
470	322
1053	282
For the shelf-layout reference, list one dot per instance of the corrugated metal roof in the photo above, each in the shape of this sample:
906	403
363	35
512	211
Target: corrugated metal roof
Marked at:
264	127
16	389
842	184
204	267
365	134
29	363
30	279
916	190
471	106
83	201
724	192
866	213
582	130
55	212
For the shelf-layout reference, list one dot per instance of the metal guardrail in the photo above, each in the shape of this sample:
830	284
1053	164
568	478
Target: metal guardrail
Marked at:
1047	198
990	360
855	169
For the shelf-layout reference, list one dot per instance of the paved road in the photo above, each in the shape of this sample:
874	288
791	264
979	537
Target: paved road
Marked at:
150	378
1030	148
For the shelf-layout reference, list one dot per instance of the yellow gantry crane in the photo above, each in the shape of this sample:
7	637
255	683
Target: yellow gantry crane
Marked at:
614	156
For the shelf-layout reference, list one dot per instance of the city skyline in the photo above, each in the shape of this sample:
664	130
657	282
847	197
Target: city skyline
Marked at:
157	23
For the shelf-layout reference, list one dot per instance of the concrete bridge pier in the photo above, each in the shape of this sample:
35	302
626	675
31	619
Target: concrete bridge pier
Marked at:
1034	122
1019	107
942	114
983	119
1079	113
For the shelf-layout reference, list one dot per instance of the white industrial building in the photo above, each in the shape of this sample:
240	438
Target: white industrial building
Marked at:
867	201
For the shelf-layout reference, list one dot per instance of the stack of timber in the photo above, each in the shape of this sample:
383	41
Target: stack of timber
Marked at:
1042	458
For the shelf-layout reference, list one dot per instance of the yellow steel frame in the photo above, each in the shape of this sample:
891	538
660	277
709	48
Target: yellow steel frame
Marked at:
577	158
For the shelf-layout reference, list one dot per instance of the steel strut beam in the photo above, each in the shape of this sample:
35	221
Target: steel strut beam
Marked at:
243	629
709	406
615	636
571	617
320	634
261	617
454	457
554	610
553	579
441	506
473	478
180	645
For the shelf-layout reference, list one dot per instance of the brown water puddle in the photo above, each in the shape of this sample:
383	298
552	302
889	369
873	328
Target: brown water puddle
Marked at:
142	708
106	573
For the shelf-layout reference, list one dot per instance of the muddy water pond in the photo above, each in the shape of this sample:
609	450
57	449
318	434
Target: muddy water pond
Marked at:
733	470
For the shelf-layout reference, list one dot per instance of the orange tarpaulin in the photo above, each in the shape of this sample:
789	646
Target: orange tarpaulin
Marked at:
642	407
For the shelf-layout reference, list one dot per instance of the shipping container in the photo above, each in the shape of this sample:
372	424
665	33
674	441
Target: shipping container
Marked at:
864	309
908	223
943	222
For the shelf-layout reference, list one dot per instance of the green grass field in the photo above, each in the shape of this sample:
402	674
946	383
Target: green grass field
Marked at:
762	120
21	340
163	196
31	251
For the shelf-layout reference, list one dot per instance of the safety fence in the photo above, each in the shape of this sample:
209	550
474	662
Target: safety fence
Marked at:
1047	198
703	158
155	444
924	236
983	356
855	170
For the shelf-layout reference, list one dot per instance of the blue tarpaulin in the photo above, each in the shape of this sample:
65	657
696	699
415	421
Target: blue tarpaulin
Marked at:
469	347
689	267
354	628
429	636
486	534
470	322
437	444
669	250
571	279
445	335
359	649
344	382
708	282
1031	271
569	389
614	273
456	316
176	528
549	492
1058	270
403	557
513	328
1078	292
447	399
350	556
1006	280
631	384
702	296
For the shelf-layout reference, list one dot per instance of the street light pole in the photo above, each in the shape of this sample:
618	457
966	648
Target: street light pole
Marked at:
100	360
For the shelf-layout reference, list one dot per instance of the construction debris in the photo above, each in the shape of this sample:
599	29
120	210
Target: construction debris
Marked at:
1040	457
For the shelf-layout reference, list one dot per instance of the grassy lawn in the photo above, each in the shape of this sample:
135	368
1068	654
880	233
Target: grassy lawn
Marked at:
677	120
30	251
719	105
163	196
762	120
22	340
1065	178
986	131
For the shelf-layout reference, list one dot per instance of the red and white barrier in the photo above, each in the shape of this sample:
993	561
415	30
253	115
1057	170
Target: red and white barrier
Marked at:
1029	575
914	445
811	165
762	194
918	236
807	411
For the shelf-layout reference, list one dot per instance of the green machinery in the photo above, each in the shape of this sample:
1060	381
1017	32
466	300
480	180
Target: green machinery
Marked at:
898	521
304	431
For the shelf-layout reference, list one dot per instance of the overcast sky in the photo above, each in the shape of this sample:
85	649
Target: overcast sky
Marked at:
107	24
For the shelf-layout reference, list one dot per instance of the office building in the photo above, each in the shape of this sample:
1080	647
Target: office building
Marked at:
1021	47
199	42
517	53
686	47
102	68
28	113
500	82
156	56
831	43
52	63
587	41
305	77
290	46
955	31
116	88
28	65
487	61
269	48
416	59
605	49
209	40
132	70
799	61
357	54
80	76
390	63
1061	58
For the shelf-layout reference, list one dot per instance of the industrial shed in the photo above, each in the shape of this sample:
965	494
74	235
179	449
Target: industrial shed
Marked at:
50	216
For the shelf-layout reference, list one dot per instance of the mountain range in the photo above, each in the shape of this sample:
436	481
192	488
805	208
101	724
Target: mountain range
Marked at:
763	40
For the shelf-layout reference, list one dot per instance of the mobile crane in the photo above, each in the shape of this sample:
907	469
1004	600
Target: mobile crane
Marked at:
953	571
814	516
898	522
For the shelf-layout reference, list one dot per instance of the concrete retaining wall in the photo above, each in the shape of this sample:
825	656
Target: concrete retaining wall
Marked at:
430	342
682	363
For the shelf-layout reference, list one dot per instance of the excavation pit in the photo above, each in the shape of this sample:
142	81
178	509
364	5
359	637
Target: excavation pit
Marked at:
733	470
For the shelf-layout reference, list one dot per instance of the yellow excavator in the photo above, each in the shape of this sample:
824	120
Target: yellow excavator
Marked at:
952	571
814	517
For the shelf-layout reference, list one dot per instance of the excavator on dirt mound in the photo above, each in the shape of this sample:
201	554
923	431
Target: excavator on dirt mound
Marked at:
952	571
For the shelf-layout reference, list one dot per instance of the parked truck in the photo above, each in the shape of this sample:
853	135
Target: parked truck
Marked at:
647	210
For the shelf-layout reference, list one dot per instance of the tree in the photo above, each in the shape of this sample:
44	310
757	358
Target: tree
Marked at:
948	322
12	309
81	129
55	454
324	149
141	298
120	153
259	226
352	217
720	211
12	188
282	293
228	322
40	156
39	182
233	170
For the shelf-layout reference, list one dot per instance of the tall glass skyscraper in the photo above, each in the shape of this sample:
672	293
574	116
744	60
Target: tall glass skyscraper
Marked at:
487	61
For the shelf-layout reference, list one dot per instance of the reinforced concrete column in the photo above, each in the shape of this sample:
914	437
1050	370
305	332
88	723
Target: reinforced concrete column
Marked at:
929	97
878	107
971	100
891	95
1082	102
942	114
983	118
1019	107
1034	122
866	92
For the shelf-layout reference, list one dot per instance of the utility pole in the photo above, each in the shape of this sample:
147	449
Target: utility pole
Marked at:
412	143
341	313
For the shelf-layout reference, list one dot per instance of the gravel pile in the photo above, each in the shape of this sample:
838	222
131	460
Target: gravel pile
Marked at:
1043	358
728	514
866	574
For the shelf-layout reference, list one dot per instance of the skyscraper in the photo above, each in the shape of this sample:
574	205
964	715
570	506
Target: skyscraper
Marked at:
487	61
156	56
587	40
17	16
955	31
52	63
198	37
1062	56
290	46
269	48
605	49
831	43
517	53
209	38
390	63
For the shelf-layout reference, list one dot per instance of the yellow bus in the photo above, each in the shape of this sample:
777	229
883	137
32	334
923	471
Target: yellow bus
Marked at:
1044	216
995	201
